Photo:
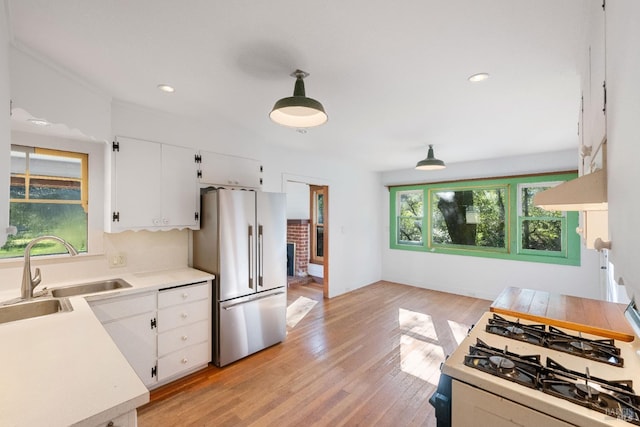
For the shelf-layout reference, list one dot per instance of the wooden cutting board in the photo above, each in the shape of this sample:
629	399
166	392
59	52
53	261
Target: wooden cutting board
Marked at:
602	318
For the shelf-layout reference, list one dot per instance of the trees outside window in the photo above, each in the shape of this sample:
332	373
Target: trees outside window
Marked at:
410	217
474	217
540	229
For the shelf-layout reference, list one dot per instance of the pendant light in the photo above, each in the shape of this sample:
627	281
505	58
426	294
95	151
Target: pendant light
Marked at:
430	163
298	111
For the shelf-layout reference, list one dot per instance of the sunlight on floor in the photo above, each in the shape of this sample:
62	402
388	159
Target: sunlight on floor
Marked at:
418	348
458	330
417	356
417	323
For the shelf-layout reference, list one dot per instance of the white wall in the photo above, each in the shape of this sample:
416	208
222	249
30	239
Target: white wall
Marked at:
484	277
623	132
49	92
5	127
297	200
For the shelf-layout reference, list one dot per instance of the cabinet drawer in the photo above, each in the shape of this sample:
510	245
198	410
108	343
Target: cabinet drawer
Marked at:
122	307
180	338
125	420
183	294
183	360
183	314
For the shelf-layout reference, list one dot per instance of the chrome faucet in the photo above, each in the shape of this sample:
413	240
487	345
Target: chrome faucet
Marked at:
28	282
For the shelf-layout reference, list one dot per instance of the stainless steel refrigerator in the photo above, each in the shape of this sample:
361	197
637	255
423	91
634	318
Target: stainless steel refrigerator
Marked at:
242	240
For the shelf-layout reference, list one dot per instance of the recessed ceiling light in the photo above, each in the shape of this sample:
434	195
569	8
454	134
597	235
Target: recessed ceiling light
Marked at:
478	77
39	122
166	88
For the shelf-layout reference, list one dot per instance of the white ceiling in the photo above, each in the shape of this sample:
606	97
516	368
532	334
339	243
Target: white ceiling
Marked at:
392	76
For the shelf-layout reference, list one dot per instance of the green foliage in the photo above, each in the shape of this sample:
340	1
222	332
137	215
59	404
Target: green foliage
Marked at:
410	217
37	219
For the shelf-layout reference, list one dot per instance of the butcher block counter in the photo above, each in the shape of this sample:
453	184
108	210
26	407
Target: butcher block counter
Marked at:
591	316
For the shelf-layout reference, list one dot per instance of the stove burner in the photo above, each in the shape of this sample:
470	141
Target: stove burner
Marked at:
581	346
586	391
524	370
515	330
502	363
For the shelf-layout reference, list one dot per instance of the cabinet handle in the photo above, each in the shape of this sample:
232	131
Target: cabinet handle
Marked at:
185	295
184	338
184	315
184	361
165	221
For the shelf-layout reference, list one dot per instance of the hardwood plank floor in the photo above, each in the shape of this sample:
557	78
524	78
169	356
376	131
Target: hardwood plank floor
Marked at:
370	357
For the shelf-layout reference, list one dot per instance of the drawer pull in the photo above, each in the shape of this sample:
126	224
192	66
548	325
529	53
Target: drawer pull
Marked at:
184	338
184	315
184	361
185	295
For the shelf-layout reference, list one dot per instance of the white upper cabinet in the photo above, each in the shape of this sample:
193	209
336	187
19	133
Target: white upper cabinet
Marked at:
153	186
229	171
594	83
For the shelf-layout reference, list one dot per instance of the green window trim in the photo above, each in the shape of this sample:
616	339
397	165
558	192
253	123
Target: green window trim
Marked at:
569	242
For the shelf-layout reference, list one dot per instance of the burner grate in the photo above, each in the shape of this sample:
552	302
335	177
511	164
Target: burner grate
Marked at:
601	350
524	370
613	398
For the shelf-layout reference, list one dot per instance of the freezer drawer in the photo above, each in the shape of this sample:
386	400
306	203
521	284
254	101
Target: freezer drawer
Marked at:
250	324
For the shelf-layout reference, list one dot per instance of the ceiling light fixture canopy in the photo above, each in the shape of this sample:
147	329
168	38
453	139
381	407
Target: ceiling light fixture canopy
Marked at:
430	163
166	88
298	111
479	77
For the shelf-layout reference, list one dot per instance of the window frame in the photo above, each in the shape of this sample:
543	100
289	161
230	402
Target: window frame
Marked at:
315	191
96	151
563	219
399	217
462	186
512	220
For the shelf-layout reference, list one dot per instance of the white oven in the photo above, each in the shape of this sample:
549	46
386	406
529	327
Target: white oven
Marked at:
523	375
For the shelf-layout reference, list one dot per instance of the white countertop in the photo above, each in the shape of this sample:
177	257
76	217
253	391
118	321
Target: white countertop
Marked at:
64	369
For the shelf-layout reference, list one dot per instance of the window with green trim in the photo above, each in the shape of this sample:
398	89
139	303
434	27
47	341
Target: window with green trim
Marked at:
540	230
409	217
472	218
492	218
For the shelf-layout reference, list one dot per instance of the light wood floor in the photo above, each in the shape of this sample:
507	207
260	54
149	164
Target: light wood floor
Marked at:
370	357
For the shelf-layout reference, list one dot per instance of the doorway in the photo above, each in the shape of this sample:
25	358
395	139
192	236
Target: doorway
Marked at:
308	231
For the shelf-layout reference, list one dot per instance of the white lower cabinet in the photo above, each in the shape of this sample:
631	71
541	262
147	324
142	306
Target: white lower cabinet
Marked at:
472	407
131	323
184	330
129	419
163	334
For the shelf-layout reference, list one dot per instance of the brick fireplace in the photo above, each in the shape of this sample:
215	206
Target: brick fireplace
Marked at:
298	235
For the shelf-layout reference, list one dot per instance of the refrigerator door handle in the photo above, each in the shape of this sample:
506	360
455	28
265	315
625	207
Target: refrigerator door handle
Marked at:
238	304
250	256
260	256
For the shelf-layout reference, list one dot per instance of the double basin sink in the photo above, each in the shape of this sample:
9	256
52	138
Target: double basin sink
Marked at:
59	303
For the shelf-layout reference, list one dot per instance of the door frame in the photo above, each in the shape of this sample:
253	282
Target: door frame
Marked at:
301	179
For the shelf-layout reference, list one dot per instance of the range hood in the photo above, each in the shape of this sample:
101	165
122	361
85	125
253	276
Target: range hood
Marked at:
586	193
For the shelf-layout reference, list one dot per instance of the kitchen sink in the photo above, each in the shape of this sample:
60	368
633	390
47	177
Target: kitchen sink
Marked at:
34	308
90	288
